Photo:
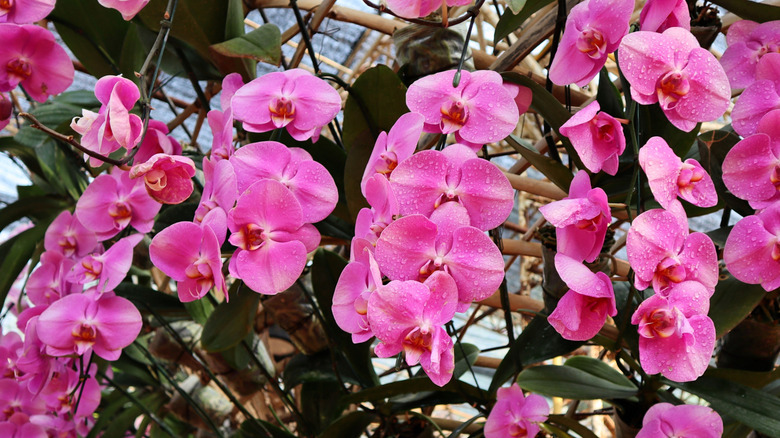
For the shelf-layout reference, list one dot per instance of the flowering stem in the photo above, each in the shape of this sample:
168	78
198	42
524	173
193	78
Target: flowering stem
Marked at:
138	403
456	78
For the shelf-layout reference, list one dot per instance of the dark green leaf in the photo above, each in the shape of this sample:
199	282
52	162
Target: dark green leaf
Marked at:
171	214
654	123
599	369
573	383
462	428
539	341
719	235
749	406
753	379
414	386
376	100
315	368
262	44
255	428
713	147
732	302
317	405
751	10
199	310
324	275
231	321
36	207
464	358
553	170
572	424
15	253
144	298
351	425
608	96
509	21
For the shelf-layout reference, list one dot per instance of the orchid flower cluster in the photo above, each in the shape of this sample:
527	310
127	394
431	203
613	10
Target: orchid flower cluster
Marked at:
425	230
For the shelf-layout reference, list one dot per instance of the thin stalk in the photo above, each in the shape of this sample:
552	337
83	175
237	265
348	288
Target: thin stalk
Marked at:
138	403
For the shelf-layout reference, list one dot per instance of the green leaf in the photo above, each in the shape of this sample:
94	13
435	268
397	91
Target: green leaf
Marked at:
510	20
599	369
351	425
15	253
754	408
553	170
653	122
465	356
262	44
376	100
315	368
144	297
608	96
732	301
325	274
572	424
231	321
35	207
570	382
751	10
713	147
24	153
416	385
199	310
96	35
462	428
255	428
538	341
317	405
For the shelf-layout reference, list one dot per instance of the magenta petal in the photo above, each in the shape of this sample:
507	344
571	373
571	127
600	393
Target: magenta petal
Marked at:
751	251
56	323
272	268
440	307
665	419
405	246
662	167
315	189
578	317
439	363
118	323
117	261
757	100
173	249
352	284
486	193
709	94
676	360
475	263
700	259
268	203
653	236
394	309
581	279
748	168
418	182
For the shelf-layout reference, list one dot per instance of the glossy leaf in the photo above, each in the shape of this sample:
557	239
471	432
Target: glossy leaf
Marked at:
145	298
553	170
231	321
599	369
732	302
351	425
538	341
36	207
570	382
416	385
15	253
572	424
262	44
754	408
751	10
510	20
255	428
713	147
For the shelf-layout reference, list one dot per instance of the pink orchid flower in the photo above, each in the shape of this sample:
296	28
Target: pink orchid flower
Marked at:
33	59
419	8
112	202
672	69
581	219
25	11
113	127
676	337
219	190
294	99
597	137
308	180
168	178
751	169
68	236
664	255
659	15
759	98
189	254
221	122
370	223
271	237
593	30
515	415
666	419
359	279
752	251
18	425
49	282
35	366
479	110
10	345
80	323
128	8
108	268
669	177
15	398
583	310
748	42
413	248
408	316
428	179
393	147
157	141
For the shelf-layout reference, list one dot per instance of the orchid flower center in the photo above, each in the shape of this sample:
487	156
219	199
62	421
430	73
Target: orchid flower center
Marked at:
156	179
431	266
669	271
688	177
5	6
250	238
591	42
448	196
418	340
453	116
92	268
388	162
775	178
361	305
658	323
518	429
85	333
203	209
671	88
19	69
200	271
590	224
282	111
602	129
776	249
121	212
68	243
